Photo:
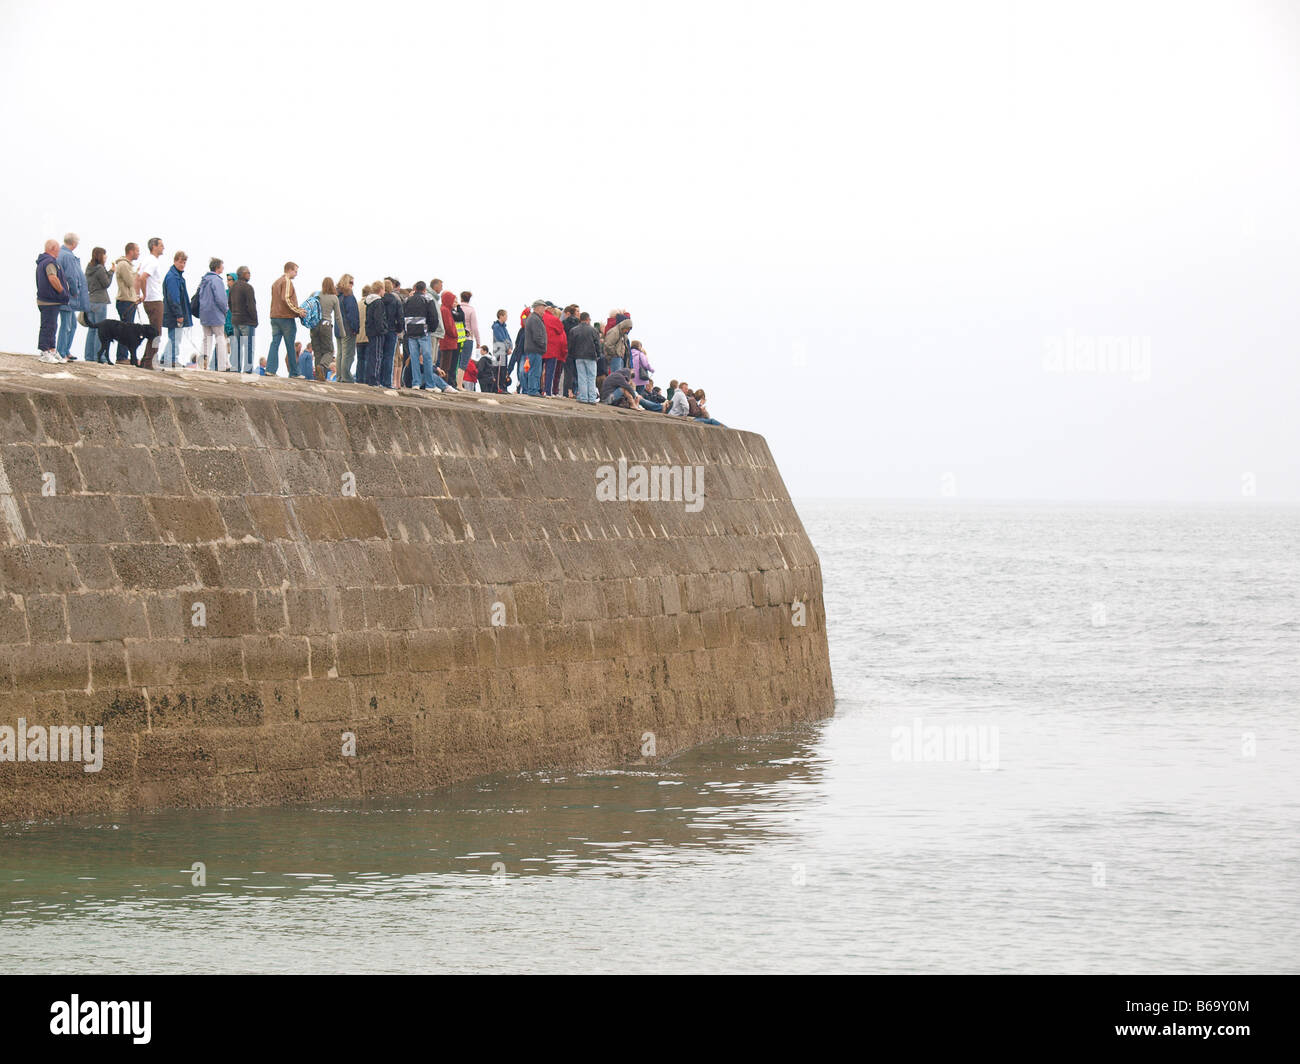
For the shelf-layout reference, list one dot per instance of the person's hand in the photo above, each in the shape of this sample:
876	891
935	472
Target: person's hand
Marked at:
180	321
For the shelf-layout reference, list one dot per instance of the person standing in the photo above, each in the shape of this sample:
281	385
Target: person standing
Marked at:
331	319
584	347
642	371
570	385
376	328
213	304
557	350
395	327
97	281
363	338
176	309
243	316
149	287
51	297
229	327
285	313
75	279
616	344
128	298
347	328
501	348
449	345
470	342
534	349
421	317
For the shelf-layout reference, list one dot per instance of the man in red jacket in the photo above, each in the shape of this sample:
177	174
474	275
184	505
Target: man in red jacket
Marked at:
557	350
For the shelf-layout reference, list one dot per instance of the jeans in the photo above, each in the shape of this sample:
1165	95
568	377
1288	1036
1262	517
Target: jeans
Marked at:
440	384
709	421
531	378
551	370
49	324
282	329
421	349
126	310
466	349
386	365
347	352
173	347
586	379
244	358
305	367
98	312
363	363
615	364
67	330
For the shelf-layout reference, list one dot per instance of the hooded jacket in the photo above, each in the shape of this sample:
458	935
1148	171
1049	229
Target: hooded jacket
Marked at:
124	272
176	301
376	318
557	344
212	300
448	341
616	340
74	279
350	316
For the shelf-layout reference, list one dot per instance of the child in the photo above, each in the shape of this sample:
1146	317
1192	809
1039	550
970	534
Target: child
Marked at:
469	382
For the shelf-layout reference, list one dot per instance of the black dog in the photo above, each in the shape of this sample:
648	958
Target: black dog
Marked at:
127	335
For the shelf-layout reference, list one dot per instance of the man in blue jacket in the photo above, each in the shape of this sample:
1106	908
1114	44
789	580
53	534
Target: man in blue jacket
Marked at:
176	307
78	294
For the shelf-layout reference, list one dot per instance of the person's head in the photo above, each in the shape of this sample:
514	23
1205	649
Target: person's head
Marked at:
538	305
637	345
501	316
156	246
483	348
365	291
436	284
585	318
388	285
179	260
132	252
465	297
327	287
626	325
243	273
97	256
230	279
685	388
51	246
376	288
420	287
699	395
291	270
571	310
673	384
214	265
71	240
345	284
297	346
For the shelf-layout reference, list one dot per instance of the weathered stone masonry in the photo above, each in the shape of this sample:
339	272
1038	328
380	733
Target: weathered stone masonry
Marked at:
373	613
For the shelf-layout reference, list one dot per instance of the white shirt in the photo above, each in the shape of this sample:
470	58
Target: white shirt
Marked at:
152	271
680	407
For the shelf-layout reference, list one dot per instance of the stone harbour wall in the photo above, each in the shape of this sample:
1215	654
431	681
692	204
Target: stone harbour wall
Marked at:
232	576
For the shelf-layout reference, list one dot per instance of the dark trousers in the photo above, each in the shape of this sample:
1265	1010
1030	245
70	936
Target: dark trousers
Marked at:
570	377
551	372
386	367
363	363
49	324
126	309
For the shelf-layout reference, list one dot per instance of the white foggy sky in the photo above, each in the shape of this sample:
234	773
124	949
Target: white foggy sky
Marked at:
913	199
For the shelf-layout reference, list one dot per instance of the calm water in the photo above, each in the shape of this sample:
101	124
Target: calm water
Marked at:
1131	677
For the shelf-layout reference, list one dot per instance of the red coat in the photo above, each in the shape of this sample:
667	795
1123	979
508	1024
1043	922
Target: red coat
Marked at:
449	342
557	340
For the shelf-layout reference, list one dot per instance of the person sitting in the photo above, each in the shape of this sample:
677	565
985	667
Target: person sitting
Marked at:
699	411
679	405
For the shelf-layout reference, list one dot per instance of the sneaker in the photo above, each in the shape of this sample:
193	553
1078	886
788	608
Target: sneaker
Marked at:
50	356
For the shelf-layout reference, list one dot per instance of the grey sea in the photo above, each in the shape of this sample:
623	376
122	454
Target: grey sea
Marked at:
1065	740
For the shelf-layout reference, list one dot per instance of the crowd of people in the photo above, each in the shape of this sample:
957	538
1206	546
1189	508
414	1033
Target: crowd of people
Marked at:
424	337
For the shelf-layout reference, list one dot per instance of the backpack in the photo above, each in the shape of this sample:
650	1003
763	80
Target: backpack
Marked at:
194	302
311	311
